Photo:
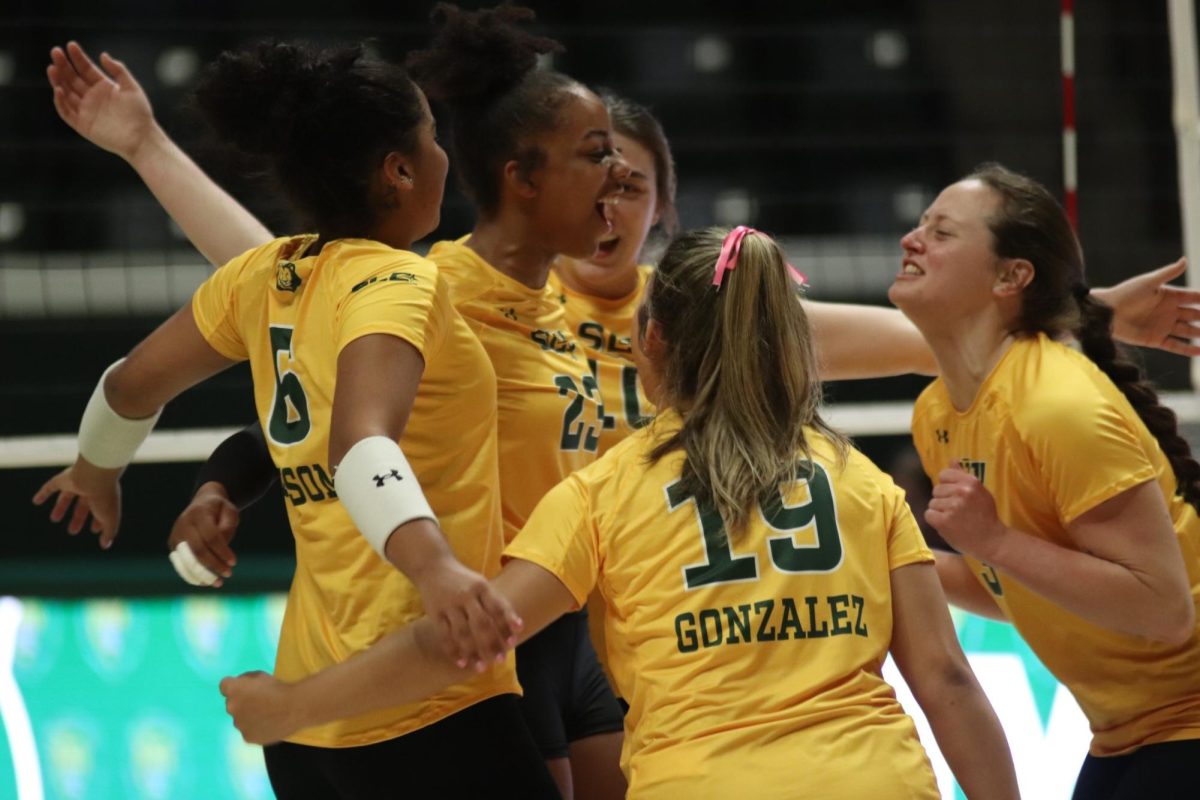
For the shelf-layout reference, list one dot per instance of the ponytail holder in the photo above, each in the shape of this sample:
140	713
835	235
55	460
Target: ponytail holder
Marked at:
1081	291
727	260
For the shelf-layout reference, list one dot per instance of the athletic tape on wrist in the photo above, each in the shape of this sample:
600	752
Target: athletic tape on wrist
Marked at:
379	490
107	439
188	567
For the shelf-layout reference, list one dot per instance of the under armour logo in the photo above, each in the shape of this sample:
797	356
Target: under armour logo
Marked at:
943	436
379	479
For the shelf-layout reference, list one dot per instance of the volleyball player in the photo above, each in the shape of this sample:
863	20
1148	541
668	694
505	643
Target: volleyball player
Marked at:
354	344
1060	478
601	292
533	151
849	336
756	570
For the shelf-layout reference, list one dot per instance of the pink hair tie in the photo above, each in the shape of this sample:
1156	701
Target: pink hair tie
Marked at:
727	260
798	276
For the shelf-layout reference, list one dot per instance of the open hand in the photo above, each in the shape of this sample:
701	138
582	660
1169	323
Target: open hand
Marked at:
105	106
94	491
1150	312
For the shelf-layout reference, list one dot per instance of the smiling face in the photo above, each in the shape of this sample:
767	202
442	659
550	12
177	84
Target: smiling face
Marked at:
578	172
949	266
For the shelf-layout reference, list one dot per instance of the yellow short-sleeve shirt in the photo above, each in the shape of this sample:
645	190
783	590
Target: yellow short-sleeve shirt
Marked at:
550	407
604	328
1051	437
747	664
291	314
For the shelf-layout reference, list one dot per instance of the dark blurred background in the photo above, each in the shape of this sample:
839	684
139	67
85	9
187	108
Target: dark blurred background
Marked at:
829	124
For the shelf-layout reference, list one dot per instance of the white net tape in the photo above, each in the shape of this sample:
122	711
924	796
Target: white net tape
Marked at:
194	444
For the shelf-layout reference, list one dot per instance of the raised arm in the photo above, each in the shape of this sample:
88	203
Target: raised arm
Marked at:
120	415
105	105
403	667
1125	573
929	657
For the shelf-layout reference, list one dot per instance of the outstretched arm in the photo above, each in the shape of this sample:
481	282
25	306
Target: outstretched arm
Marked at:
404	667
171	359
1150	312
861	341
864	341
929	657
105	105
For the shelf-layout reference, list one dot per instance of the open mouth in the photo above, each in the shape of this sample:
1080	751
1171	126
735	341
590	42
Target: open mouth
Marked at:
608	246
910	268
604	208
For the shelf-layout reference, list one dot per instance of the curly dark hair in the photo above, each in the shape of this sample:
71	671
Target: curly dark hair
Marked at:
324	119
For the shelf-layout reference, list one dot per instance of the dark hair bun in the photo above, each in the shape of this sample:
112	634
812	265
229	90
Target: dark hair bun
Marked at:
475	54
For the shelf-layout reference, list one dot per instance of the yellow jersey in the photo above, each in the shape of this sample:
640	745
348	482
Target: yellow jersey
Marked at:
751	668
1051	437
604	328
291	314
550	409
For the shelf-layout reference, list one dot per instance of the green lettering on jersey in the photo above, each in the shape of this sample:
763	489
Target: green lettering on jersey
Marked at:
817	512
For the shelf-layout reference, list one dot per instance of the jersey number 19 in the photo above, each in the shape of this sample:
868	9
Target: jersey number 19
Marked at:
818	512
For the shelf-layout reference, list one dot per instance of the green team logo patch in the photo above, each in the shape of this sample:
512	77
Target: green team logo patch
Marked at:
976	468
286	279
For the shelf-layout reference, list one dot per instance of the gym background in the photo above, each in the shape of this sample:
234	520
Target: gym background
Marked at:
829	124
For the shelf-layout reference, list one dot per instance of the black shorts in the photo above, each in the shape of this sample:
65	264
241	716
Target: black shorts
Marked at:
1162	771
567	697
482	751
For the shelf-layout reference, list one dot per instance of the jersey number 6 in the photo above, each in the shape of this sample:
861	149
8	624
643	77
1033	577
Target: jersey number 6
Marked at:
289	421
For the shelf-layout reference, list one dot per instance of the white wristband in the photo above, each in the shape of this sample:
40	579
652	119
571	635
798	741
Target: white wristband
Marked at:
107	439
379	490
